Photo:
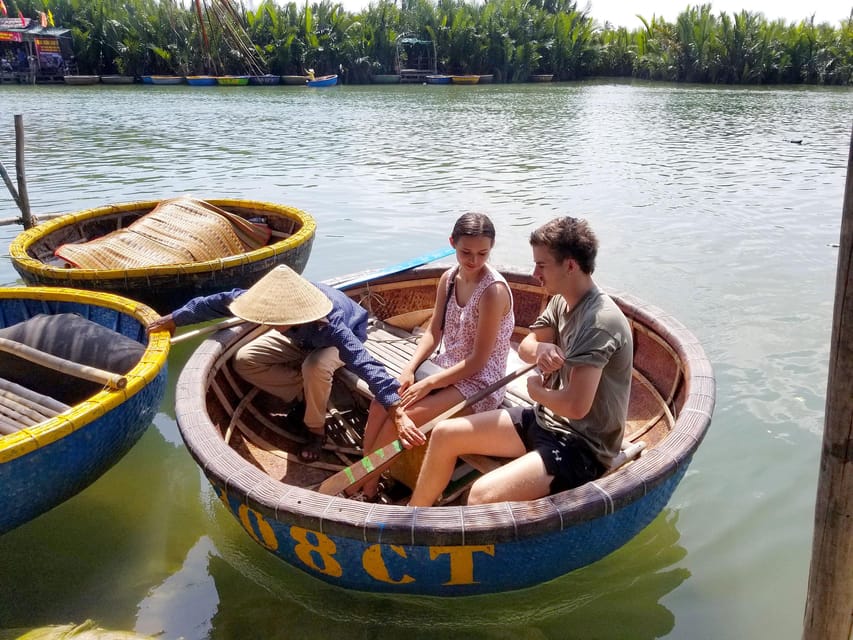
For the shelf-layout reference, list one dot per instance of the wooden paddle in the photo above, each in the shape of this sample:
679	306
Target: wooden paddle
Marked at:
354	476
93	374
347	281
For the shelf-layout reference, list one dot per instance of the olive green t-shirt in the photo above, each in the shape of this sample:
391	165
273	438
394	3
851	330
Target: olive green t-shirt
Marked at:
596	333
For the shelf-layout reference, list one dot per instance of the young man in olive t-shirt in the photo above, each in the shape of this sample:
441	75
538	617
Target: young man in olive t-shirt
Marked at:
583	348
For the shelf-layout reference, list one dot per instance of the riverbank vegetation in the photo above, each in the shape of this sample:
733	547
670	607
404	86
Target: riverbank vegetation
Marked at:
511	39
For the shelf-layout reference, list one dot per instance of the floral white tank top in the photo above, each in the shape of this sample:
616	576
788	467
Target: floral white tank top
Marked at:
460	331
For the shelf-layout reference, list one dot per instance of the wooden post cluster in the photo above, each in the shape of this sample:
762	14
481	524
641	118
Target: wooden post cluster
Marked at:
829	604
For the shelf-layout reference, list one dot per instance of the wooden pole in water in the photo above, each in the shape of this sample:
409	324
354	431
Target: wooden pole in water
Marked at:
829	604
23	198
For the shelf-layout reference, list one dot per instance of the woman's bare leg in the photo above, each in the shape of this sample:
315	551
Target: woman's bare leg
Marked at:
420	412
490	433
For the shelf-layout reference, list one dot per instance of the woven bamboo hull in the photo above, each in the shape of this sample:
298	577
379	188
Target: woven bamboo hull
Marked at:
163	287
44	465
451	550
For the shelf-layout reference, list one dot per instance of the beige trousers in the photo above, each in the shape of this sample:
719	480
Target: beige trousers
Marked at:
273	363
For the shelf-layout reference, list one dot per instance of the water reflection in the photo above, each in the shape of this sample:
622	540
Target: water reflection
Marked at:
96	555
185	603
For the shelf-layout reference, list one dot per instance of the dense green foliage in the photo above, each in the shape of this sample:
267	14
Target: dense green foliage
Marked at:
508	38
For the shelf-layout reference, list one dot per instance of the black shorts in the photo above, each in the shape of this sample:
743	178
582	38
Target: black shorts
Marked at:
567	457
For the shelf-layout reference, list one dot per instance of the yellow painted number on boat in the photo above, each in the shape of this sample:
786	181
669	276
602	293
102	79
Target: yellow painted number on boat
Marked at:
375	566
267	536
322	548
461	561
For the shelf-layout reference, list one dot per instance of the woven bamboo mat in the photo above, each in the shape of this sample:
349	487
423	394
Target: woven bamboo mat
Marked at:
178	231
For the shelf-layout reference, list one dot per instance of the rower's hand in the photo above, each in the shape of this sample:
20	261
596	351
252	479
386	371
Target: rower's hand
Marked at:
549	357
163	323
536	387
409	435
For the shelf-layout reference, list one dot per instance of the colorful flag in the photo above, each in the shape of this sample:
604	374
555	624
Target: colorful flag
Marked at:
23	20
3	8
50	18
43	19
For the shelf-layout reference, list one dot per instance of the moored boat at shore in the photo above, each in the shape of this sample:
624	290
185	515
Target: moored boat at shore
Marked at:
323	81
266	79
453	549
201	81
294	80
117	79
465	79
81	80
58	438
232	81
438	79
165	80
162	286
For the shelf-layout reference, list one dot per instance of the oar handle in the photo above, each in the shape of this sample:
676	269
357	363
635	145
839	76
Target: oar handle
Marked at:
93	374
355	475
216	326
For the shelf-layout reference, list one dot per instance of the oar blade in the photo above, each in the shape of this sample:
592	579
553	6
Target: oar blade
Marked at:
353	477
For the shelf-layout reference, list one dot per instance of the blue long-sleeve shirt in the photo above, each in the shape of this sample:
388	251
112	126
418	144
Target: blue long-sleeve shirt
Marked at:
345	327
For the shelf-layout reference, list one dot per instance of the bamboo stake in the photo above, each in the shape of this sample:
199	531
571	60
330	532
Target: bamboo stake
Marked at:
23	198
829	603
93	374
10	186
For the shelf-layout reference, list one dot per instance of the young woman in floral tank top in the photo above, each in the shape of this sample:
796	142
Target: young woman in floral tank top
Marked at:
474	307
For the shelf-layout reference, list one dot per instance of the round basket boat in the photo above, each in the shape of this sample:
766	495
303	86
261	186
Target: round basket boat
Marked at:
442	550
53	451
163	287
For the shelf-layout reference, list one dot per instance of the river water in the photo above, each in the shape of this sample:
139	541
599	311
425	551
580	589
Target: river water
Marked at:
703	206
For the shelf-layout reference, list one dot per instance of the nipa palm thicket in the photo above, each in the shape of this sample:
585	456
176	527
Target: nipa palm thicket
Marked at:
511	39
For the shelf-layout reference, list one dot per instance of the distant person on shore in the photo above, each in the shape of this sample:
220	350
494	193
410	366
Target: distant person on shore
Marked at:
314	330
471	327
583	347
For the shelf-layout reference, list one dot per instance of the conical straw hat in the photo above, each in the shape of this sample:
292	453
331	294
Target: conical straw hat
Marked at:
282	297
